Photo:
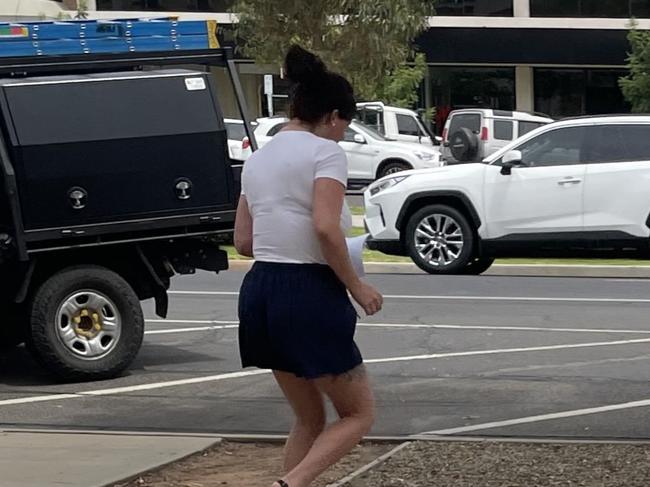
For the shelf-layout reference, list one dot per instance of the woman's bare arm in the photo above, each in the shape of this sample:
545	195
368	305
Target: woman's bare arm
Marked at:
329	195
243	229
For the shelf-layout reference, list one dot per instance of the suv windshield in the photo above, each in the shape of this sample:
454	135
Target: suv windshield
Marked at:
369	131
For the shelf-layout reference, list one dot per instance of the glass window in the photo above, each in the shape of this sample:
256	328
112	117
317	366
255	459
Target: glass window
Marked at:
349	135
617	143
525	127
571	92
603	144
486	8
469	121
407	125
167	5
636	141
503	130
590	8
275	129
369	131
555	148
372	117
453	88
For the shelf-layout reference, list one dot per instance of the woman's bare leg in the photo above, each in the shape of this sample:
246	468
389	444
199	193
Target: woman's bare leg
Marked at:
351	395
307	403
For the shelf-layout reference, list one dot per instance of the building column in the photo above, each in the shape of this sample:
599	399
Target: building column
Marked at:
525	89
521	8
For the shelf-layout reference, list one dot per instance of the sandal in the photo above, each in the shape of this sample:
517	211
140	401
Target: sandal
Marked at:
282	483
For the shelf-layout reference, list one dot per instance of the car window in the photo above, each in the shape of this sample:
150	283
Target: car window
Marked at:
373	118
503	130
555	148
235	131
276	128
407	125
471	121
369	131
636	140
617	143
603	144
349	135
525	127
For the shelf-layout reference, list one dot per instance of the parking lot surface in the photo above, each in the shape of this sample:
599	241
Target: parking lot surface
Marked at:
477	356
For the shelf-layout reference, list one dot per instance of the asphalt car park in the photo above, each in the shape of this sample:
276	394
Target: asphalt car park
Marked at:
476	356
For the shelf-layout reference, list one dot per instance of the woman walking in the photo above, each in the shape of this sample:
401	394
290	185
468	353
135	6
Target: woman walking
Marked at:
295	314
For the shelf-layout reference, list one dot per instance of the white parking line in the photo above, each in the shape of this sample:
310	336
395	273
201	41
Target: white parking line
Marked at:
234	324
506	350
190	329
456	298
235	375
540	417
141	387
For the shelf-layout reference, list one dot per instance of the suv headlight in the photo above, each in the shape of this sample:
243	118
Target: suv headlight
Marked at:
385	184
425	156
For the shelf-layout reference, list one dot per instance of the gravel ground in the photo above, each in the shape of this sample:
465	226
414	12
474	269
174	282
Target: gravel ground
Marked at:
245	465
423	464
485	464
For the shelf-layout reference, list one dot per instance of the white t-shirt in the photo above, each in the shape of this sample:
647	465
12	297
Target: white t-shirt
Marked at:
278	181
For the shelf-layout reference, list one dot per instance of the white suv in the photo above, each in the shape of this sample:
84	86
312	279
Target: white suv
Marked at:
370	154
578	187
471	135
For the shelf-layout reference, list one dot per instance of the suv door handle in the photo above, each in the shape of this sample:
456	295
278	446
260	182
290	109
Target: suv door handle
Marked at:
569	180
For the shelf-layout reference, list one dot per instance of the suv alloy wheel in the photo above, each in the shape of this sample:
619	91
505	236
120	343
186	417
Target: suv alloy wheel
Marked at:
440	240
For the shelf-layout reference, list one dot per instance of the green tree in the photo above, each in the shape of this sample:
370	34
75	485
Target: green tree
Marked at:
636	85
368	41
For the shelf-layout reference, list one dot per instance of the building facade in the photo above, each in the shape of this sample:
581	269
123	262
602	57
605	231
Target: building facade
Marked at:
559	57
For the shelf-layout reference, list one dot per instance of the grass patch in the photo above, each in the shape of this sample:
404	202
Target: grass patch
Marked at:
358	210
375	256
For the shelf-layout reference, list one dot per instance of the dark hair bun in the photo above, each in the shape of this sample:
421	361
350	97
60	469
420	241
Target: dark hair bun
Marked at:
302	66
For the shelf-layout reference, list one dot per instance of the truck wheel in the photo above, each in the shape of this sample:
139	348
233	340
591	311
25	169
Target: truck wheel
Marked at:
440	240
478	266
394	167
86	323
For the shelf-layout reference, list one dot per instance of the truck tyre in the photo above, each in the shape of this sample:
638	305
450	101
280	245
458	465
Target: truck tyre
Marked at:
86	324
394	167
440	240
464	145
478	266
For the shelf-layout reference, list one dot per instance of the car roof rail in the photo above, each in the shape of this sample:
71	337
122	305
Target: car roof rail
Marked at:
606	115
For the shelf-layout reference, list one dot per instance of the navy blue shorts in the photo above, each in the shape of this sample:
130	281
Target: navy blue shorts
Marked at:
297	318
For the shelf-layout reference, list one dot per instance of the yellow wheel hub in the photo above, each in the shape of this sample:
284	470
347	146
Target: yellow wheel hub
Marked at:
87	323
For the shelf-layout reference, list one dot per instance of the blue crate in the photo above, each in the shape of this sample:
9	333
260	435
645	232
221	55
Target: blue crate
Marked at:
167	43
104	36
18	48
60	47
105	45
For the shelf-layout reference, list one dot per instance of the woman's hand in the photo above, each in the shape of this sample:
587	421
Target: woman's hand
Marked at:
368	297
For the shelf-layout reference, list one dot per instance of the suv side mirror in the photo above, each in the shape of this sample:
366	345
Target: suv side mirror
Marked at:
359	139
510	160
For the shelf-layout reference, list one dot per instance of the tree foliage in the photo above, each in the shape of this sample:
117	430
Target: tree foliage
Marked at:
636	85
368	41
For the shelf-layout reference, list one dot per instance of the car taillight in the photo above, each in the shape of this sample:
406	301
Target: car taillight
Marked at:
245	143
484	133
445	133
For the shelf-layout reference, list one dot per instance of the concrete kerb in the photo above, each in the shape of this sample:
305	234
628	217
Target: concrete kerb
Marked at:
532	270
215	438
